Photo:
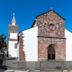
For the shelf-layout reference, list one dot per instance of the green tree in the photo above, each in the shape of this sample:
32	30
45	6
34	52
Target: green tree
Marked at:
3	47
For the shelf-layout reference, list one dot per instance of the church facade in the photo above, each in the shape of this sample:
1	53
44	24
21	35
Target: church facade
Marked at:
51	37
46	40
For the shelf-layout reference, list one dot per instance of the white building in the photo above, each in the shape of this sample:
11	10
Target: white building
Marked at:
68	36
30	43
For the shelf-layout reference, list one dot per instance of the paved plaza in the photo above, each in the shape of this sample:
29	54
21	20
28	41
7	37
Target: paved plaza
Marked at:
10	70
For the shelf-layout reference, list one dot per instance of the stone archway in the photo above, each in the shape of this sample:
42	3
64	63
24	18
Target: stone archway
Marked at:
51	52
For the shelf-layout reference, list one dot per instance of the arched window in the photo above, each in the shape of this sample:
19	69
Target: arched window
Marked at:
51	52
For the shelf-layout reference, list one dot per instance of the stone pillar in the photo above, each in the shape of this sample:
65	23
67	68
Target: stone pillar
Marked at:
21	52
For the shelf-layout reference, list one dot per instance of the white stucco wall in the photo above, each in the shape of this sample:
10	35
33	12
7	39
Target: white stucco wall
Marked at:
30	42
13	35
13	52
68	36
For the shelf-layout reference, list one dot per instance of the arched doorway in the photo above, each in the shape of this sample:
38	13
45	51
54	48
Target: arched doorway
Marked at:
51	52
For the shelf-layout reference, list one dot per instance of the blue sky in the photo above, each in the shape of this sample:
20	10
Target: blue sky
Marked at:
27	10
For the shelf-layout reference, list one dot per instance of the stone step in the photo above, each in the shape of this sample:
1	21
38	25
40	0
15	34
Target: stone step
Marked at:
34	70
50	71
11	70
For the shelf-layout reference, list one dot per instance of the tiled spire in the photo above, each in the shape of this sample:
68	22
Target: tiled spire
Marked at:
13	20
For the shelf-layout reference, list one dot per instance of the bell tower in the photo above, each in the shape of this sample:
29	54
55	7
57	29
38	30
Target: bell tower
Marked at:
13	28
13	38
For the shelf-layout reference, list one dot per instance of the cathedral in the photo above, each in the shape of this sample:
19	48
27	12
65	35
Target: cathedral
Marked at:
46	40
